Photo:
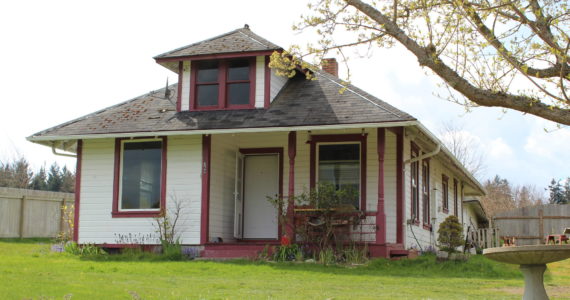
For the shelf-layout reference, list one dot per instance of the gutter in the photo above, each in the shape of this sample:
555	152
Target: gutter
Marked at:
218	131
424	156
53	150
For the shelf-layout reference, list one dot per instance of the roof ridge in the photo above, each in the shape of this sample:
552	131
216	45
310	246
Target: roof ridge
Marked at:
196	43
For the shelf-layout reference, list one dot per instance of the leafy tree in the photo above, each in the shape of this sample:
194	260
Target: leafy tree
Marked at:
39	180
450	234
510	54
54	181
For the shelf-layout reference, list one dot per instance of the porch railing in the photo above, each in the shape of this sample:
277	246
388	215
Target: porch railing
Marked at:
484	237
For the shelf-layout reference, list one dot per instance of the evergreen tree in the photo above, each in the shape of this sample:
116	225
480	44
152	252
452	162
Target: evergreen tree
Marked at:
54	181
39	181
556	192
67	181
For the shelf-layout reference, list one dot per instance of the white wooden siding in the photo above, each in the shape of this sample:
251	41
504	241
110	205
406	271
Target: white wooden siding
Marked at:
185	95
277	83
260	81
183	182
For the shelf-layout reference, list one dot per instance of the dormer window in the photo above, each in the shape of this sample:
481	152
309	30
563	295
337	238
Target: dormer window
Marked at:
223	84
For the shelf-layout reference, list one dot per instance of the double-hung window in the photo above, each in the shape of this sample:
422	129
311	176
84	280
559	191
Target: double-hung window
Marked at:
139	177
339	165
445	193
415	185
425	192
223	84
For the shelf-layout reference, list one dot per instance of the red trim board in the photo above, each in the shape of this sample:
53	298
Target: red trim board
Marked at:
77	190
380	212
205	210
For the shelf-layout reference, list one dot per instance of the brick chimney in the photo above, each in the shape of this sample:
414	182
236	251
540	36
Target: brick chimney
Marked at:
330	65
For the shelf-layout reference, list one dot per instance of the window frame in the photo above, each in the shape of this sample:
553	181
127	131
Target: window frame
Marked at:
415	190
445	193
117	212
315	140
223	82
426	207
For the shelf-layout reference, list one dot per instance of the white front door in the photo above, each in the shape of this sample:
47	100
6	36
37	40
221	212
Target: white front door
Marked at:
261	179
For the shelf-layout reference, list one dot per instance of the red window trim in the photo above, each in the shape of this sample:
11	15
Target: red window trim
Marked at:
445	193
455	204
426	199
222	89
415	152
335	138
116	181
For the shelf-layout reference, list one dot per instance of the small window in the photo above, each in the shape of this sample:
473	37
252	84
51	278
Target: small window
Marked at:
223	84
445	193
415	185
339	164
141	173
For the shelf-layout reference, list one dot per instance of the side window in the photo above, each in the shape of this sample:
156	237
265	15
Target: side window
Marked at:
415	185
445	193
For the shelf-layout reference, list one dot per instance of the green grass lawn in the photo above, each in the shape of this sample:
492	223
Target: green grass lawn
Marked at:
28	270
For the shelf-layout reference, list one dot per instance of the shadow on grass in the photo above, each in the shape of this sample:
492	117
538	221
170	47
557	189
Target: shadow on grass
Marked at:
425	267
27	240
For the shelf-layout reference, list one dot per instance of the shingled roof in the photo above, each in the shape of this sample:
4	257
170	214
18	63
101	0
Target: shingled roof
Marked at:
236	41
300	103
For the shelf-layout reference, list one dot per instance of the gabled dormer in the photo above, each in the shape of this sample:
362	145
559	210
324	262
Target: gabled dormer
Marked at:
229	71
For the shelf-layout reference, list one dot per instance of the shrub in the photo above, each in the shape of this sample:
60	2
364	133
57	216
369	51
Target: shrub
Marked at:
450	234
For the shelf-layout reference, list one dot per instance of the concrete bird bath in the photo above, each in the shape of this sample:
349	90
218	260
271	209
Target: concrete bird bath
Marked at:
532	261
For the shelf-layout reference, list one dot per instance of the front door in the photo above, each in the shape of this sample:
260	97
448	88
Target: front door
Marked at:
261	179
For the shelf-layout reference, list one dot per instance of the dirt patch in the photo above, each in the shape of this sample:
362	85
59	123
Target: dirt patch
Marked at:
561	292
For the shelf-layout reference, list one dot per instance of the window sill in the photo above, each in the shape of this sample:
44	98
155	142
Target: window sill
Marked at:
135	214
446	211
416	222
427	227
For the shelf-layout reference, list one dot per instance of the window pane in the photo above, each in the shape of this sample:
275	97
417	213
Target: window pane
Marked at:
340	166
238	93
207	95
238	70
208	72
140	184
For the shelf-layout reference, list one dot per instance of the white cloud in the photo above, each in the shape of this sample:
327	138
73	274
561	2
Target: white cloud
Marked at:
498	149
551	145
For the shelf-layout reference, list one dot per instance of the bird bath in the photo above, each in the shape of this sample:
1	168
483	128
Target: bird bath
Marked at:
532	261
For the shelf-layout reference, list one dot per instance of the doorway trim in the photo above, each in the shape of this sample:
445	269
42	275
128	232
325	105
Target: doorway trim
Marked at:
279	152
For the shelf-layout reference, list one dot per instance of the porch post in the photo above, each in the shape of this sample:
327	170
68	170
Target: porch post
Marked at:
205	173
292	151
380	212
399	184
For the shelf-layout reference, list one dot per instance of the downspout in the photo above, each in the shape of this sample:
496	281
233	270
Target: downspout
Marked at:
61	154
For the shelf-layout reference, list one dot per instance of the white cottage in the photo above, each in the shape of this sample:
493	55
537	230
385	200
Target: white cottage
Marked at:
231	132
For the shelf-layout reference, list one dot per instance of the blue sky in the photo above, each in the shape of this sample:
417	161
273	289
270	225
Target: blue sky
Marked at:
64	59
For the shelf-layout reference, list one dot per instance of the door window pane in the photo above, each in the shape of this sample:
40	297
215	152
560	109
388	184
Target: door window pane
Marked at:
141	174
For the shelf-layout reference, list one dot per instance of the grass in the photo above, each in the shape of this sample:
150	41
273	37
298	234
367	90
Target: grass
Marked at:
28	270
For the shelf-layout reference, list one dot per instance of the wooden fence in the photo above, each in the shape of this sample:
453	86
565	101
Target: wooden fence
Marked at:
530	225
29	213
484	237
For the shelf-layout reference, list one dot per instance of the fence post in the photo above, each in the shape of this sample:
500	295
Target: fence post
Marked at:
540	226
62	212
22	216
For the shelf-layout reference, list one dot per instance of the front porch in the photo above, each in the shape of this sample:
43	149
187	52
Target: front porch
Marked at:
240	171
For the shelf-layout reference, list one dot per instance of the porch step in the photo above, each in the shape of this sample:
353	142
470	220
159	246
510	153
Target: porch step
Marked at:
397	251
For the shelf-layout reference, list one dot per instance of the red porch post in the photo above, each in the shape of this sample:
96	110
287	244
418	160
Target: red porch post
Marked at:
292	151
399	131
79	153
205	211
380	212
